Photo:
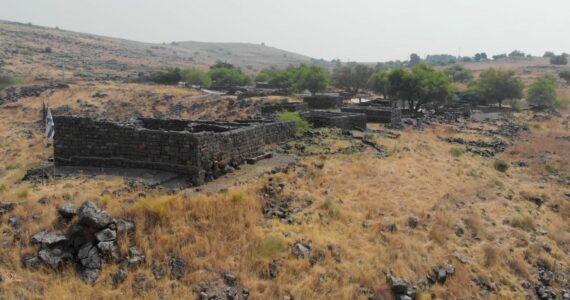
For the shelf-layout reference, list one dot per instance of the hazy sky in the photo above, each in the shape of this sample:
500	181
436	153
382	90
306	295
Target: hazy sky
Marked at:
360	30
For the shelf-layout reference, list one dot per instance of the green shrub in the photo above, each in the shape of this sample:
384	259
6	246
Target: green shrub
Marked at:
168	76
301	124
196	77
516	105
551	169
561	102
456	151
271	246
501	165
6	81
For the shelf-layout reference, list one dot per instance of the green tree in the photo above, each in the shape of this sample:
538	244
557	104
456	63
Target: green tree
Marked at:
548	54
263	76
414	60
542	91
559	60
312	78
458	73
378	82
565	75
351	77
516	53
497	86
420	86
167	76
228	77
196	77
480	56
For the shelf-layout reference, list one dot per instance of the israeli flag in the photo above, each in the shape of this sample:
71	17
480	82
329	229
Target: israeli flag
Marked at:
50	129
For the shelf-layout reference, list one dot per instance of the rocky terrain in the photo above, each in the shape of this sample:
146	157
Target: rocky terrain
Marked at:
41	53
441	207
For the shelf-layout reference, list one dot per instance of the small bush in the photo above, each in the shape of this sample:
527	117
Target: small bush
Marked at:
23	192
237	196
301	124
332	208
501	165
271	246
551	169
525	223
516	105
456	151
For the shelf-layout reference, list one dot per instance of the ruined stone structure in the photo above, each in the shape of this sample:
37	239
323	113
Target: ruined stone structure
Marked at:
272	108
323	101
376	113
343	120
202	150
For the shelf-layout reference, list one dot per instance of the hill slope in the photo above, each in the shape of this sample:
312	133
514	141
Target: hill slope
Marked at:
35	51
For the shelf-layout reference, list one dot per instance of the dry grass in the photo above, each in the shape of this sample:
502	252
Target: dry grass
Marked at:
227	232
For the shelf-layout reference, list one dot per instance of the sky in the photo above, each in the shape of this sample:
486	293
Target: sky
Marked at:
355	30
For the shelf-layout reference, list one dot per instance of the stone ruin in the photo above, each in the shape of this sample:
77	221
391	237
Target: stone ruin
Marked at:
323	101
343	120
273	108
376	114
202	150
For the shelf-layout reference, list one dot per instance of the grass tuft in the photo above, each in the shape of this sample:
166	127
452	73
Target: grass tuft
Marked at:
500	165
271	246
456	151
301	124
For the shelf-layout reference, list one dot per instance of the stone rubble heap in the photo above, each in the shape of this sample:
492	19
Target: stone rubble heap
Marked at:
87	243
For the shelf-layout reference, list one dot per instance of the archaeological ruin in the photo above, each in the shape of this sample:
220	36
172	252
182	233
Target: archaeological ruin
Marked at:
273	108
376	114
343	120
200	149
323	101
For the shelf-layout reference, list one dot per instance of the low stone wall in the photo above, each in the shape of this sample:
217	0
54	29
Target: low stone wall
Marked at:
202	150
323	101
346	121
376	114
273	108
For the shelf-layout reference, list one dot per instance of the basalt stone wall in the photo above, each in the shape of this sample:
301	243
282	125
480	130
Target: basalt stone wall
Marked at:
268	109
148	144
376	114
341	120
322	102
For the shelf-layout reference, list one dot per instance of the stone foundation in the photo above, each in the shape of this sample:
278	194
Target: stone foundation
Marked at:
273	108
346	121
202	150
376	114
323	101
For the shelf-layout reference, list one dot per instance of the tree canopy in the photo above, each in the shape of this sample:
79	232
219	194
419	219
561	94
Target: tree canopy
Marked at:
378	82
414	60
497	86
227	77
559	60
196	77
167	76
351	77
458	73
542	91
419	86
312	78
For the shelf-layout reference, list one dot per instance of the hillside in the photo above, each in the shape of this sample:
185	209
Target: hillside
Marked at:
39	52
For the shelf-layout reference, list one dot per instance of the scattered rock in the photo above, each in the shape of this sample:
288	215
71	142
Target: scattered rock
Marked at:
391	226
177	267
536	200
458	230
47	239
6	207
273	269
106	235
230	279
55	258
14	222
413	222
67	211
301	250
119	277
92	216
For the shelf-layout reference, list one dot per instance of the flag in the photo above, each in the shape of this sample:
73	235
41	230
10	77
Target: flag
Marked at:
50	129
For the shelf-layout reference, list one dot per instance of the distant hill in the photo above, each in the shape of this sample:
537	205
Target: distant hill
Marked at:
35	51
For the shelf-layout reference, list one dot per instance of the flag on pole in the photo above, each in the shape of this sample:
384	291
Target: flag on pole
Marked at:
50	129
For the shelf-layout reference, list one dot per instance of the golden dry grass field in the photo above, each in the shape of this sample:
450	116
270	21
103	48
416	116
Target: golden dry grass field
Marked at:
346	202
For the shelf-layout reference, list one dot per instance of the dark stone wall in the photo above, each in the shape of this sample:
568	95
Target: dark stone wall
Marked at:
346	121
268	109
322	102
202	155
376	114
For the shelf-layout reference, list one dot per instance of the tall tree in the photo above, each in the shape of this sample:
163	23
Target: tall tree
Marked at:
312	78
351	77
498	86
378	82
414	60
542	91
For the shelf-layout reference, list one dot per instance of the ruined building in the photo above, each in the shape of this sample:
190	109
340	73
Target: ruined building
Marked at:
201	150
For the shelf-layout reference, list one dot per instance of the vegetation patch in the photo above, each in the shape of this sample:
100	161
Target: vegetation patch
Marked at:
501	165
272	245
456	151
301	124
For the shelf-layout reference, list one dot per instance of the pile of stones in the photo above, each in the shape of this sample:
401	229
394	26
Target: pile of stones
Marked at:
496	146
87	243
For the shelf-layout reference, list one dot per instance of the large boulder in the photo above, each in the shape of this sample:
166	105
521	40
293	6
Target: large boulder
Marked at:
55	258
67	211
92	216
